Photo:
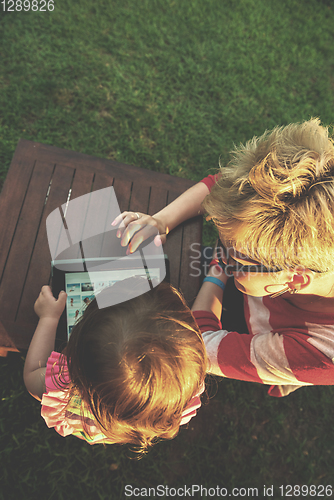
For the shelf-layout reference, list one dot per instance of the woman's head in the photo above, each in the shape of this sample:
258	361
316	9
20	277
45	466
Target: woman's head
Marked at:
274	202
137	364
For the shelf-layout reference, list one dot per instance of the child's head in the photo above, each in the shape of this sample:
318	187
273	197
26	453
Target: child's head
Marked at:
274	202
137	364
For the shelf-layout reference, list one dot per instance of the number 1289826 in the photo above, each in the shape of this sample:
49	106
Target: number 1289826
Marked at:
26	5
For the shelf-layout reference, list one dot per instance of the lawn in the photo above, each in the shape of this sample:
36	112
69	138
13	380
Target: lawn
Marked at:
168	85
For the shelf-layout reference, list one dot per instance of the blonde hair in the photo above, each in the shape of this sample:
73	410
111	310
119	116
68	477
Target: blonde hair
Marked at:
137	364
275	200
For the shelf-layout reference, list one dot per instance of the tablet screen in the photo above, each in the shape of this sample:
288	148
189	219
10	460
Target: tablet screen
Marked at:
82	287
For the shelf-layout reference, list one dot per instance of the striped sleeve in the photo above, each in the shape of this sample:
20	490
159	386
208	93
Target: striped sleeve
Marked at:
212	334
228	352
64	414
285	361
309	365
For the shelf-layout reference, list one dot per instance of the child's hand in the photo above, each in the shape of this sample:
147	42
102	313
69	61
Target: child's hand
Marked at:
139	229
46	306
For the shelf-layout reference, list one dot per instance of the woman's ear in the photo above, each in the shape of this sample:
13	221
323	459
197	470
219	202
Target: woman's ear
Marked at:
300	280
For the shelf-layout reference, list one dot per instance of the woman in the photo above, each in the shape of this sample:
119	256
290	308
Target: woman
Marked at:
274	210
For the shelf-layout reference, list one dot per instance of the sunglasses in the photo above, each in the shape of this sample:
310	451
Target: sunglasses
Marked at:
230	265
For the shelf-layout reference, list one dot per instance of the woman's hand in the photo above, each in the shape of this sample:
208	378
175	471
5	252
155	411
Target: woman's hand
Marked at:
46	306
137	227
134	228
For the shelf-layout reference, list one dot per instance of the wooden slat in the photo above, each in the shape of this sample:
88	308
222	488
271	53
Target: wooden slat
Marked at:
39	270
102	211
189	279
140	196
85	181
123	193
11	202
81	185
24	240
158	199
178	248
110	244
82	181
173	248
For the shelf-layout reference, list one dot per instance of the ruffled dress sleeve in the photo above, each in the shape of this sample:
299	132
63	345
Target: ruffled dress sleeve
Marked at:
66	416
190	411
55	400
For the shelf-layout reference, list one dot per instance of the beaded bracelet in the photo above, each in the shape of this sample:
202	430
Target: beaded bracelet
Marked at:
216	281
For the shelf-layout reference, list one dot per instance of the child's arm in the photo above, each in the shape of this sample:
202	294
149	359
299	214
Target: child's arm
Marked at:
49	311
187	205
210	296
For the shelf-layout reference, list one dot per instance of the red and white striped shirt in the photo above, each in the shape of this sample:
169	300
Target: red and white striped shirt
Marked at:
286	347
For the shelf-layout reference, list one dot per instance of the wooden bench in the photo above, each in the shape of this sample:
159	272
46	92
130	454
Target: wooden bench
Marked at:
38	181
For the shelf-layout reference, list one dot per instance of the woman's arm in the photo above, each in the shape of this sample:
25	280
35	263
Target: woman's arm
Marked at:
49	311
187	205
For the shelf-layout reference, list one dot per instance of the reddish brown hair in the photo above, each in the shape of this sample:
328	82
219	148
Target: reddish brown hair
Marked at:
137	364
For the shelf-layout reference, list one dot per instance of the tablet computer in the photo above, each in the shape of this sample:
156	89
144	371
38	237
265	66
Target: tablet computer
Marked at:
83	280
87	256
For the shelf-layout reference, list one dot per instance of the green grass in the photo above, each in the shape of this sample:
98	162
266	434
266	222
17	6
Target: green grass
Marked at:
241	438
170	86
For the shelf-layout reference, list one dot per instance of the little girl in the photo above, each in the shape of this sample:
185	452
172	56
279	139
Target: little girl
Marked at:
131	373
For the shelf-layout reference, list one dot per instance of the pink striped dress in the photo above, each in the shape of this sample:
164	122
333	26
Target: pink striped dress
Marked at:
70	418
